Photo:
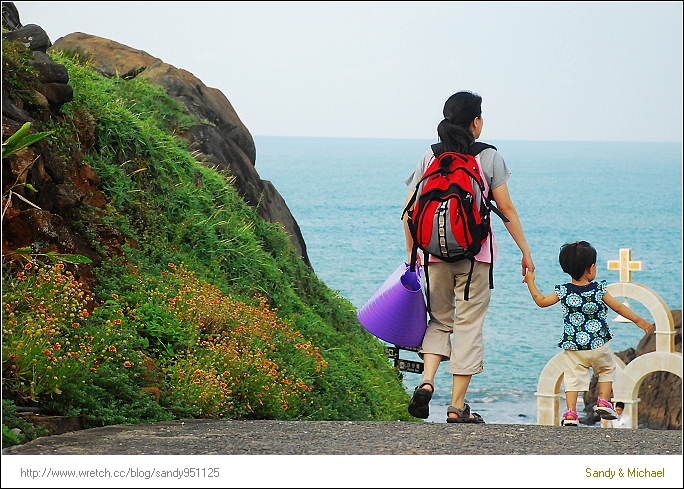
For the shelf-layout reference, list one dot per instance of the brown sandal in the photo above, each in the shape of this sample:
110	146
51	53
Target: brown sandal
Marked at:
419	406
464	415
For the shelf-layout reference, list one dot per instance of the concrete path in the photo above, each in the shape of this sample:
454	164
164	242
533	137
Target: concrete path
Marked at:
265	437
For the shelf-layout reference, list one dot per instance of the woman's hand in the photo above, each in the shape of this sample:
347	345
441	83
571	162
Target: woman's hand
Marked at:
527	264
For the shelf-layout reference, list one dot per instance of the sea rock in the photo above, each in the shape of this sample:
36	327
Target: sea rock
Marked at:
660	407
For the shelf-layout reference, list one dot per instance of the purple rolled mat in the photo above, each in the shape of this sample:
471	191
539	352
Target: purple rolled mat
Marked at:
396	313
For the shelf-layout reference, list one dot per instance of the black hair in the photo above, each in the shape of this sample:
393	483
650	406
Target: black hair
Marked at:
575	258
459	112
620	404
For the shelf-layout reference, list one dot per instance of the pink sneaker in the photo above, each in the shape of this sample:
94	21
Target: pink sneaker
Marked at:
605	409
570	418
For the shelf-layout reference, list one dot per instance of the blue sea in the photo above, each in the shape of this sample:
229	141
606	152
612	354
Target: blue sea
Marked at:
348	194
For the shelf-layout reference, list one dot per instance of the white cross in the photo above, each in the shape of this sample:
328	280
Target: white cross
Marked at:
625	265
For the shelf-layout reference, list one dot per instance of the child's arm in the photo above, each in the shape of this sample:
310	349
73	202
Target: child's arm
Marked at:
626	312
538	297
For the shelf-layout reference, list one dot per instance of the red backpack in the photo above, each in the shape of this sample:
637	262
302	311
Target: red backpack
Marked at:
450	218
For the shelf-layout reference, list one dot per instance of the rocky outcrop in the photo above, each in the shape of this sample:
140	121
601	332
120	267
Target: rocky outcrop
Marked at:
54	90
220	140
660	407
60	185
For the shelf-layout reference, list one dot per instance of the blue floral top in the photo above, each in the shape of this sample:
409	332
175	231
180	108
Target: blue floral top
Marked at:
584	316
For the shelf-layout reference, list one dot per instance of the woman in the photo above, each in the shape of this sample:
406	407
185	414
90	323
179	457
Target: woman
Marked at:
449	313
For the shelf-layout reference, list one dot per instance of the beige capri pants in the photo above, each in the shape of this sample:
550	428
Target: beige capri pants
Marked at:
576	375
450	314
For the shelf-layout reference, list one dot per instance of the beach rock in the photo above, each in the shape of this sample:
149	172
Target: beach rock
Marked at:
660	407
219	141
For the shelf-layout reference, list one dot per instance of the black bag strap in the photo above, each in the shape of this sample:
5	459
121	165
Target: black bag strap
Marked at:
491	259
477	147
426	260
414	256
466	292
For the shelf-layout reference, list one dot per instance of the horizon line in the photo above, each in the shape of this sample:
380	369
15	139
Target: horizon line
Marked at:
492	139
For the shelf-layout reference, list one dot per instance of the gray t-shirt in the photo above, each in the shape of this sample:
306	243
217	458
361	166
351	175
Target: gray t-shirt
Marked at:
493	167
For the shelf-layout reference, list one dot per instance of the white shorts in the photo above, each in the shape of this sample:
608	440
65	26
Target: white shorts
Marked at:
577	363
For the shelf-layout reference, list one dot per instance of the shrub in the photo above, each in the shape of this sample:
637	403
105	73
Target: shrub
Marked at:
15	429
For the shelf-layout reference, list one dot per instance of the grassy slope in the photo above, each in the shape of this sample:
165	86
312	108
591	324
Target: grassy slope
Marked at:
149	178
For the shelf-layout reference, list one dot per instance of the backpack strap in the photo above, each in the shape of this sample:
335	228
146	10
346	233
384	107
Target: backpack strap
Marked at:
476	147
466	292
436	149
414	257
491	258
426	260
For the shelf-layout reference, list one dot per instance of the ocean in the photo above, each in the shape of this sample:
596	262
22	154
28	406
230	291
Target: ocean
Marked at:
347	194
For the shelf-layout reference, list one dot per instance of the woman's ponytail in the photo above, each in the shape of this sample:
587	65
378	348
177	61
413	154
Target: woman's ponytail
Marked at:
459	112
454	137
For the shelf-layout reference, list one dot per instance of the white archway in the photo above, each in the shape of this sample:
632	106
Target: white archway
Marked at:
629	377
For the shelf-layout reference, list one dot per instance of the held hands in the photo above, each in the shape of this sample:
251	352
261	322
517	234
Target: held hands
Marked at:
527	264
529	277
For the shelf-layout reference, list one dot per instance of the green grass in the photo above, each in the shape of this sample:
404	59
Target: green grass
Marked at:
149	179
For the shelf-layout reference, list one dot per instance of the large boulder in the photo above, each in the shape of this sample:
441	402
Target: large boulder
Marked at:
31	36
219	141
108	58
660	407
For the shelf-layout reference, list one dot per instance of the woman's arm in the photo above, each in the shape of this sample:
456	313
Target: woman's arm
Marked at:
501	196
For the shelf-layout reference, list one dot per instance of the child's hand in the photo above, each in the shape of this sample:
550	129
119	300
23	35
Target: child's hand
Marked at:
529	277
645	325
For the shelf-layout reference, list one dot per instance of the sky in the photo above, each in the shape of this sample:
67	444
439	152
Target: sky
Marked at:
547	71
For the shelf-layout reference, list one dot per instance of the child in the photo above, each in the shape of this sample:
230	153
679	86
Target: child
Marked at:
585	330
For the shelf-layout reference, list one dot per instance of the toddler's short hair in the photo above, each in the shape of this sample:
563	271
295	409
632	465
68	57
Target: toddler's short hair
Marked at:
575	258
